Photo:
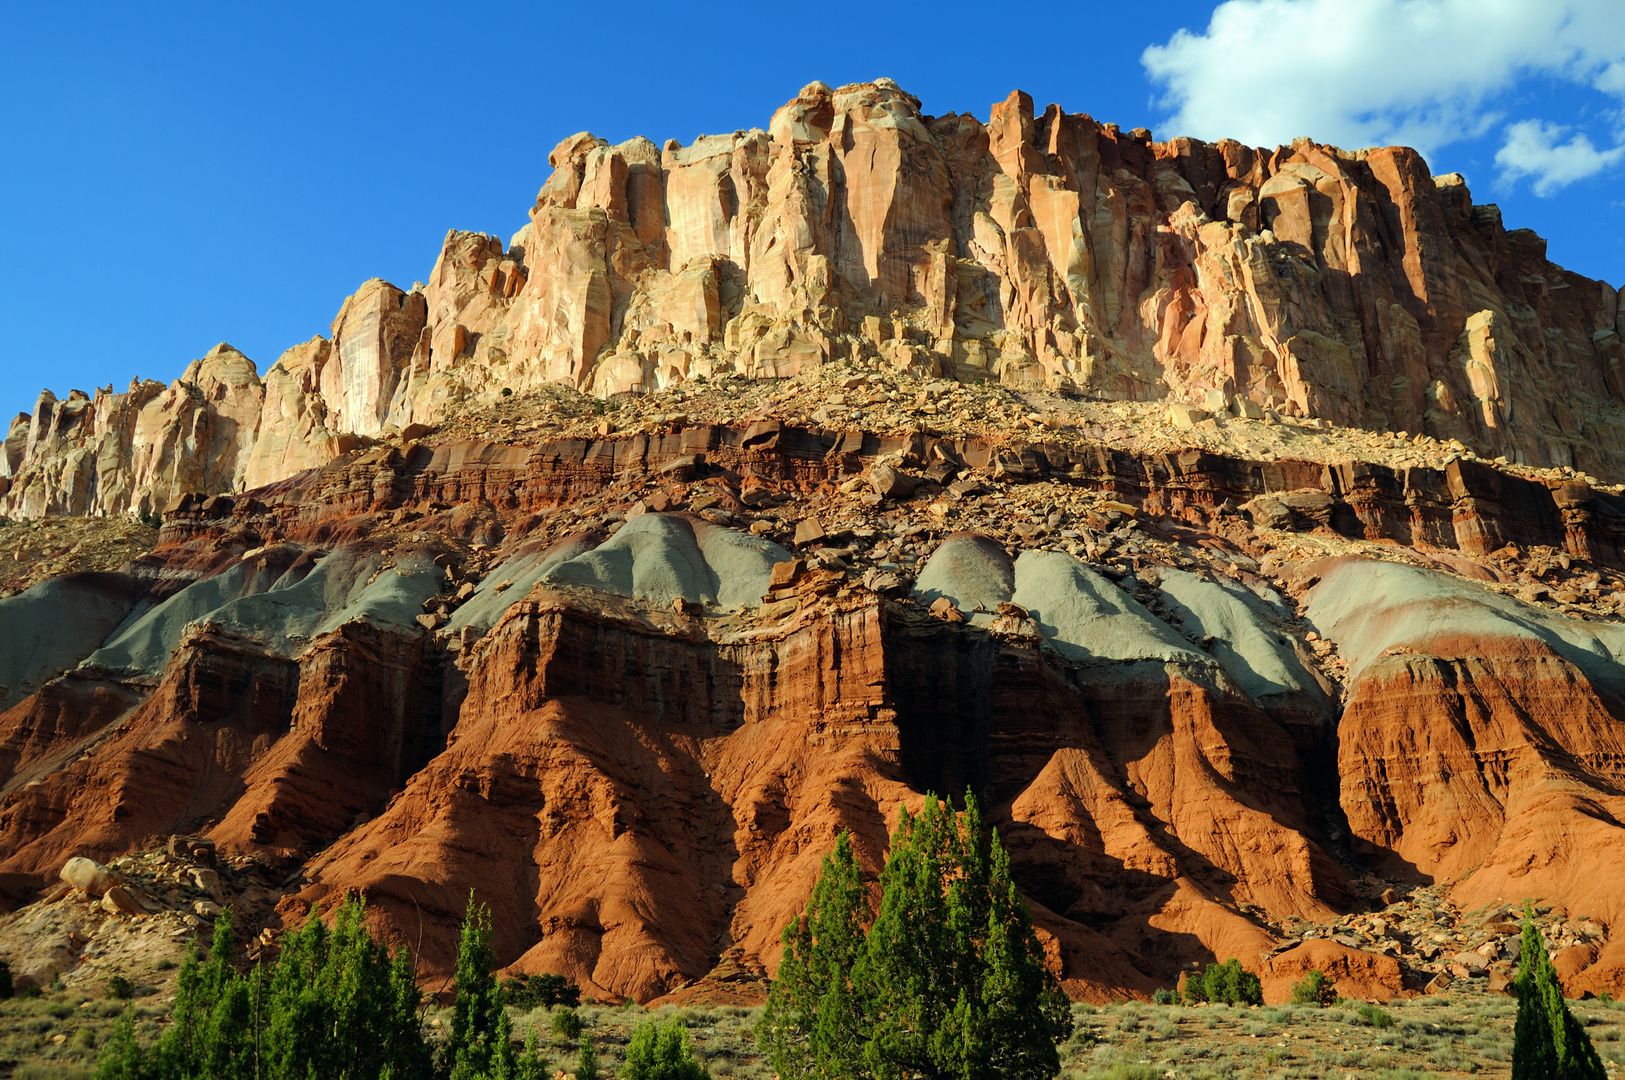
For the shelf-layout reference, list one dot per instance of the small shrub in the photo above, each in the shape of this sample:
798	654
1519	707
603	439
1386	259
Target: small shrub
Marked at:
659	1051
1315	989
1374	1016
1125	1071
1228	983
567	1023
526	992
1162	996
587	1062
507	391
530	1064
120	987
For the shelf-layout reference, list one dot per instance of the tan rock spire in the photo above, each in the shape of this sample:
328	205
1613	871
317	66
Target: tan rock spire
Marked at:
1037	248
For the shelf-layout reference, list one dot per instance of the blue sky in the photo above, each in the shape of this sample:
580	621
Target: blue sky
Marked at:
197	173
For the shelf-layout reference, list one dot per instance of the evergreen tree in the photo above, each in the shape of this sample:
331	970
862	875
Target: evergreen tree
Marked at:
1231	984
1548	1043
1026	1013
212	1034
339	1005
530	1064
587	1062
811	1023
949	980
479	1048
335	1005
123	1058
661	1052
527	992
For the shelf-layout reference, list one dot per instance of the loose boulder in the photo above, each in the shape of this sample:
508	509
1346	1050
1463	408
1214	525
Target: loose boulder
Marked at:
1358	974
90	876
117	900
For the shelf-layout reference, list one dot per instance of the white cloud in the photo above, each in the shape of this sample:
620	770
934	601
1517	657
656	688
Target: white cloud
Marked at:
1375	72
1611	79
1532	150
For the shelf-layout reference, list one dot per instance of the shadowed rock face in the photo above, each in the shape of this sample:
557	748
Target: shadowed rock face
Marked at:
637	804
1038	249
40	642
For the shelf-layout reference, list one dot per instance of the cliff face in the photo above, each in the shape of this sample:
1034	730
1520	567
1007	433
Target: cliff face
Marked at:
1036	250
636	731
627	667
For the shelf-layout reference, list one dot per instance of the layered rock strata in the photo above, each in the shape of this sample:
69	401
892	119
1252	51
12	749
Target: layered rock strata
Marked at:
1466	506
1033	249
637	731
631	684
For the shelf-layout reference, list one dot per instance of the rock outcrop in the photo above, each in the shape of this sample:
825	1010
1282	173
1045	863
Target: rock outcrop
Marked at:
1482	741
493	589
1033	249
637	731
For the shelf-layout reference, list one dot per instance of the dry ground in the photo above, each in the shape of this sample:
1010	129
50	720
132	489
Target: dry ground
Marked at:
1453	1035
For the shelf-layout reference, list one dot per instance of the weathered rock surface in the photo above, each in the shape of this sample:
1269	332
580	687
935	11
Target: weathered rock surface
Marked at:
638	734
1033	249
1483	740
1225	689
89	876
1358	974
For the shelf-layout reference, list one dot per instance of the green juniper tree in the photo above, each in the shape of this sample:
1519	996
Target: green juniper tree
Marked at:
334	1005
123	1058
337	1004
587	1062
531	1064
1227	983
545	990
212	1033
479	1048
661	1052
1315	988
948	981
811	1023
1548	1043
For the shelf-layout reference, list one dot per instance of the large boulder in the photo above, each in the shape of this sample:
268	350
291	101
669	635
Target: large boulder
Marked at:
1357	974
90	876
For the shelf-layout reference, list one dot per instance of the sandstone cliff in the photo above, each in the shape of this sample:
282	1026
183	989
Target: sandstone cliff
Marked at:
637	730
1036	250
625	648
